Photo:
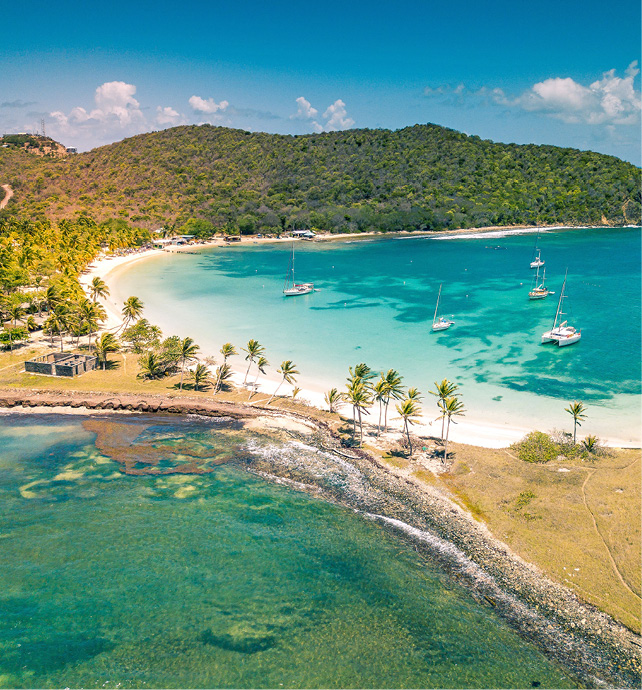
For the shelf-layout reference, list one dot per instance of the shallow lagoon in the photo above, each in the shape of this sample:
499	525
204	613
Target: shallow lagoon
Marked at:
376	304
219	579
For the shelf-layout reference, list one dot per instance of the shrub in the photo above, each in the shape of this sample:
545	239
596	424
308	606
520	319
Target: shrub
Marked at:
536	447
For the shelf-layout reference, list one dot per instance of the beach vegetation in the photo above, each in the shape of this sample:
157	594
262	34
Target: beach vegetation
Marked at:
409	411
359	395
394	391
141	336
451	407
105	344
443	390
576	409
222	377
536	447
132	310
261	366
98	288
200	376
333	399
288	373
187	353
9	337
151	366
253	351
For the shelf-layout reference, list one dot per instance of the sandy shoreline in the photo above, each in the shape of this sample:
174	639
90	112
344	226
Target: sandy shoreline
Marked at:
467	430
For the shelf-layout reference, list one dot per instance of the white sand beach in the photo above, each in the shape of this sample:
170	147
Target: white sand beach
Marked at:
465	430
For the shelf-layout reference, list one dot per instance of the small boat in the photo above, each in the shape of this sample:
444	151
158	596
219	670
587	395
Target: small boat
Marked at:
292	289
539	290
440	324
537	262
561	333
537	253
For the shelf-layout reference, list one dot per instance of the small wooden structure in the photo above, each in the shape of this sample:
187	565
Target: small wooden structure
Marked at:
61	364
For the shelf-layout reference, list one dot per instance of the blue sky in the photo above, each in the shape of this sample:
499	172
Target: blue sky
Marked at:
563	73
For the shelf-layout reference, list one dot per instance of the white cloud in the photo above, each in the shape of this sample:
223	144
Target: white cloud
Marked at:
117	113
207	106
305	111
168	117
335	115
611	100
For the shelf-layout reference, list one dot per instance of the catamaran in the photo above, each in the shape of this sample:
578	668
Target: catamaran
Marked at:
561	332
539	290
440	324
292	289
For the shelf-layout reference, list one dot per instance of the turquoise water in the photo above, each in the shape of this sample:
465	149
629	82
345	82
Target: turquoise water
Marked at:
219	579
376	303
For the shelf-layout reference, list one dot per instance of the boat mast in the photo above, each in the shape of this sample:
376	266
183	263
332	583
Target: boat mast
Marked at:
434	318
559	302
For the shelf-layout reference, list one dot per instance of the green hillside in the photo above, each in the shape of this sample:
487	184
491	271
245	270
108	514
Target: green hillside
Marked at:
415	178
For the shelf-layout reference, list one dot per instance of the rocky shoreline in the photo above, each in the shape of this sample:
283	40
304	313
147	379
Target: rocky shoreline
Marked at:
592	647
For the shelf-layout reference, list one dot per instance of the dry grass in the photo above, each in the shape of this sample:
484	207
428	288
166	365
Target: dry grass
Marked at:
581	526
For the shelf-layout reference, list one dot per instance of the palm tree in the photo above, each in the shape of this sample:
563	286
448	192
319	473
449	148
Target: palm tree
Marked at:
591	444
288	371
361	371
98	288
151	366
187	353
223	374
16	312
333	399
576	409
254	350
227	350
90	315
395	391
450	407
104	345
261	364
443	390
201	375
381	390
414	394
408	411
132	310
360	397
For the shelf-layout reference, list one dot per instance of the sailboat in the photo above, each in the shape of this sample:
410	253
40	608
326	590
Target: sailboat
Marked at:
440	324
292	289
537	262
561	332
539	290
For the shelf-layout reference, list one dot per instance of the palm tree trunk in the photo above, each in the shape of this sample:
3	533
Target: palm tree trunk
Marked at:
180	387
379	423
360	428
385	421
443	420
446	446
247	372
574	431
408	436
276	391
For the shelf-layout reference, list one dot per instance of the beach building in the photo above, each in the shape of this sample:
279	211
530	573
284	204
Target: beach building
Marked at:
61	364
304	234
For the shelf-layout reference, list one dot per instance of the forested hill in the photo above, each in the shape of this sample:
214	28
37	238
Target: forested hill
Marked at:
420	177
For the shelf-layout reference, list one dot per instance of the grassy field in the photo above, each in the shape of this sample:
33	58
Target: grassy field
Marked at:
578	521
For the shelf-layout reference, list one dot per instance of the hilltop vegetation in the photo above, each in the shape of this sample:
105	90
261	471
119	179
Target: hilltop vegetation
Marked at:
357	180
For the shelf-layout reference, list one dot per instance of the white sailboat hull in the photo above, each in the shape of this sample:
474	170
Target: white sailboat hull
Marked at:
301	289
538	294
537	263
442	325
569	339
